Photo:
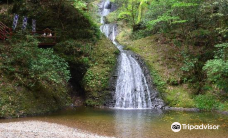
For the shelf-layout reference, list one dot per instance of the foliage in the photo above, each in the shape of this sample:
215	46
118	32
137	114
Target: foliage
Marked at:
186	18
77	54
169	13
79	4
223	106
132	10
73	50
206	102
31	65
60	16
124	15
217	68
219	15
18	101
189	62
47	65
96	79
190	23
34	80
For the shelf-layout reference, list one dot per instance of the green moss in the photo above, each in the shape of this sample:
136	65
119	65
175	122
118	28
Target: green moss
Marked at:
112	17
96	79
206	102
18	100
178	96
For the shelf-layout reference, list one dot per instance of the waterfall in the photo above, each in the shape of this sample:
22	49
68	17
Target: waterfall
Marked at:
105	8
113	34
132	90
102	19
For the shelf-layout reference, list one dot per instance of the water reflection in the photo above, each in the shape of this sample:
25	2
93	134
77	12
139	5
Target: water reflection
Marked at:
137	121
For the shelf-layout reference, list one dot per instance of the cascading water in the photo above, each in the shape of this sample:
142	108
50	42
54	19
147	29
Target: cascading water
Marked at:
132	90
113	34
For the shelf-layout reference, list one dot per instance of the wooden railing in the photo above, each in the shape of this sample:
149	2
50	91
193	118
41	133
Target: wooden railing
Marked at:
5	32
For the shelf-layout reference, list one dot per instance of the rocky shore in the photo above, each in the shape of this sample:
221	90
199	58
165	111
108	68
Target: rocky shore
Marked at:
38	129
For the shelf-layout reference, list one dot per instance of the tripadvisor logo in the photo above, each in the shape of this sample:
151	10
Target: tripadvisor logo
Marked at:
176	127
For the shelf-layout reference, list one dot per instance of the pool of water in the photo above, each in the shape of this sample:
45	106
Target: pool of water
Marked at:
135	123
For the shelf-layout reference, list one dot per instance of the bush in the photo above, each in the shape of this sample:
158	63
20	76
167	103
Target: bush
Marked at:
217	68
48	66
206	102
25	62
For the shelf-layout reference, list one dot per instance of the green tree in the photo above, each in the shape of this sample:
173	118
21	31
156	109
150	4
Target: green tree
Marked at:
166	14
132	10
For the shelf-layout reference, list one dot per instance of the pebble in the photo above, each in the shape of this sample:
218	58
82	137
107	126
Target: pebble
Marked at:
39	129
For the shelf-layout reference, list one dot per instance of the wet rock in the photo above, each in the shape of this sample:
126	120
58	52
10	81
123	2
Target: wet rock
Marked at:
182	109
156	99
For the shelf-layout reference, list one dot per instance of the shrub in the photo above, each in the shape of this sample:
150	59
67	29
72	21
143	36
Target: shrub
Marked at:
206	102
217	68
25	62
48	66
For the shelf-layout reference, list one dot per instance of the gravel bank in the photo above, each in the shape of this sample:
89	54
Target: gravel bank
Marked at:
38	129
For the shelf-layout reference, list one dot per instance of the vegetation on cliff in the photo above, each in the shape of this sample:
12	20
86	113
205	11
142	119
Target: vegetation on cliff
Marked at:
39	80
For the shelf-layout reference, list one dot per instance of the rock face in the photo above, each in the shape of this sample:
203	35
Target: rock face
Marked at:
105	7
110	100
157	102
181	109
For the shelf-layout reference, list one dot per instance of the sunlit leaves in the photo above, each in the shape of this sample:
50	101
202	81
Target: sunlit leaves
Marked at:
169	12
164	18
183	4
79	4
124	15
132	10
